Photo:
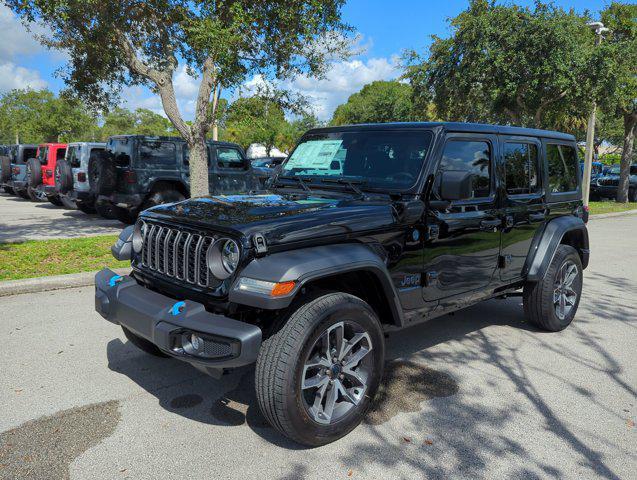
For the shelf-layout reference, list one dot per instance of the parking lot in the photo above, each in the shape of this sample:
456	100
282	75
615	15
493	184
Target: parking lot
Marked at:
25	220
480	394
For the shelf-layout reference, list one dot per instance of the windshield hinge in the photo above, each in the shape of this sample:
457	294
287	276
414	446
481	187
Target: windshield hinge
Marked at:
259	243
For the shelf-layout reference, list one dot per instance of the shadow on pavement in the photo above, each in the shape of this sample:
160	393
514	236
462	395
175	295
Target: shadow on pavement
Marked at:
467	430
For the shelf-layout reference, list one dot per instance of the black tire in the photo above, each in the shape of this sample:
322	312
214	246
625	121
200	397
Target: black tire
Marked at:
539	304
127	217
9	190
5	173
23	194
632	195
86	207
63	177
68	203
102	174
105	210
34	173
280	368
143	344
55	200
159	197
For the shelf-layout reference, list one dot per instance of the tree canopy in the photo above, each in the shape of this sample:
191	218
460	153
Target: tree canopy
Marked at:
222	42
509	64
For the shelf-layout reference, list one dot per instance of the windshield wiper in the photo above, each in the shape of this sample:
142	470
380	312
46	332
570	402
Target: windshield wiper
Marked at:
297	179
350	183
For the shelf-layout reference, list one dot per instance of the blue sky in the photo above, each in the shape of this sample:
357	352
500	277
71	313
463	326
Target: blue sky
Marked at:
386	28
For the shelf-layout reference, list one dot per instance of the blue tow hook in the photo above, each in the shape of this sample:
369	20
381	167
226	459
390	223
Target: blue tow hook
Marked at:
177	308
114	280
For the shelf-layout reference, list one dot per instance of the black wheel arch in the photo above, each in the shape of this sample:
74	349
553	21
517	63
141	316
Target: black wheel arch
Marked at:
567	230
159	184
350	268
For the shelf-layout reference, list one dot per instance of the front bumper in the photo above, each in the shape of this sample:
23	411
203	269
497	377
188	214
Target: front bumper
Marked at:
157	318
122	200
48	190
609	191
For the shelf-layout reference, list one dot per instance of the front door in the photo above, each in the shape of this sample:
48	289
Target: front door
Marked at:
461	254
524	206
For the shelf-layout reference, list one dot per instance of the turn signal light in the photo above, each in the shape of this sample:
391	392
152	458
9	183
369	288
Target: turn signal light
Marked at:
282	288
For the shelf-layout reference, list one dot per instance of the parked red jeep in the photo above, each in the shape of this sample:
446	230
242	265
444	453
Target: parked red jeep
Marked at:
40	172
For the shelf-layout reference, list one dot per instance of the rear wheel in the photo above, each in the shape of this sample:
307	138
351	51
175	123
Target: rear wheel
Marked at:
86	207
143	344
33	195
316	377
551	303
9	190
105	210
55	200
127	217
632	195
162	196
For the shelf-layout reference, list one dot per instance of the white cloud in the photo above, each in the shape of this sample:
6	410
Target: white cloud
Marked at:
15	39
341	80
14	76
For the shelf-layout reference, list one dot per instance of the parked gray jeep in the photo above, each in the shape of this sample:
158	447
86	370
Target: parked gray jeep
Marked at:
367	229
13	176
71	175
138	172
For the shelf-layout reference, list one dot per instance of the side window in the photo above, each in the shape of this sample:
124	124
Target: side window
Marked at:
473	157
73	156
59	154
229	158
158	153
521	164
562	162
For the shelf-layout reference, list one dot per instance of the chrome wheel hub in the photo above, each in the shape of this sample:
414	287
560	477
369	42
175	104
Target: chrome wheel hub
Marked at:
336	372
564	295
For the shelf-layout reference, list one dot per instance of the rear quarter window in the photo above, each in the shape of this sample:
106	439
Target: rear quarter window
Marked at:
562	168
158	153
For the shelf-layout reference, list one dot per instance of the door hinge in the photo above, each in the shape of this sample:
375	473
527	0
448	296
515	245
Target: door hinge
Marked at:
433	232
504	261
431	278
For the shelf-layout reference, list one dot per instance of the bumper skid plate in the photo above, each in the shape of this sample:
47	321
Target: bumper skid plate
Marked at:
218	341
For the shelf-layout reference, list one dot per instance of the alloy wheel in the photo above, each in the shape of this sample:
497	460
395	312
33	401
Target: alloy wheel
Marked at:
336	372
564	295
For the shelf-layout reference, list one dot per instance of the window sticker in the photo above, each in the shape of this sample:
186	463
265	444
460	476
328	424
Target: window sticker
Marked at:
314	155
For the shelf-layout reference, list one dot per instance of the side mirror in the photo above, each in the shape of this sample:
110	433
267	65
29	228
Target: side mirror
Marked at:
456	185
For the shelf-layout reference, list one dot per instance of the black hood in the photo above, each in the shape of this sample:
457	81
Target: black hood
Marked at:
280	218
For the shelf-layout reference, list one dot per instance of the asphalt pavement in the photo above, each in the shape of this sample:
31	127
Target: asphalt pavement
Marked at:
22	219
480	394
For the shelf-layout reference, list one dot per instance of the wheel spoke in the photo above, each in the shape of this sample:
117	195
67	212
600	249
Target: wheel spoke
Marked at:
315	381
330	403
334	346
319	396
562	306
571	275
355	358
317	361
354	377
345	394
350	344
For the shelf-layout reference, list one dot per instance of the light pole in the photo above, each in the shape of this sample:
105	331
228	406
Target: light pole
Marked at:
599	29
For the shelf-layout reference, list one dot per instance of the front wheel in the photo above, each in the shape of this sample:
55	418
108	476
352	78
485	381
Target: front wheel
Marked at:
551	303
316	377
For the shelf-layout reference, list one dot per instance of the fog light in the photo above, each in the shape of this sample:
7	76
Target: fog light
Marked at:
196	342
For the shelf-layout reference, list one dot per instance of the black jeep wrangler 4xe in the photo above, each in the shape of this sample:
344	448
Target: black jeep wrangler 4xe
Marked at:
366	229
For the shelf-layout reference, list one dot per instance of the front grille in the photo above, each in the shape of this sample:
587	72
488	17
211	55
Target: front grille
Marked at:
609	182
178	254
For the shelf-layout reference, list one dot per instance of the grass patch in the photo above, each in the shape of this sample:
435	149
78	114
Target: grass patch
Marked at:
610	207
40	258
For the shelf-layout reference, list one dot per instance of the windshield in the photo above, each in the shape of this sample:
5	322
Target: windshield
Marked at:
379	159
614	171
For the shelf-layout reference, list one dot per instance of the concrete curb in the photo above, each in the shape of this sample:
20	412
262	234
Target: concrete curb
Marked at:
56	282
613	214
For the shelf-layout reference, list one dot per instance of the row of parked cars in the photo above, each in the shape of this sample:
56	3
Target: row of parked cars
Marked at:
605	181
125	175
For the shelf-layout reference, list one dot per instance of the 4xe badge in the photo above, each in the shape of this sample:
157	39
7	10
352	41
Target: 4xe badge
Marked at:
410	281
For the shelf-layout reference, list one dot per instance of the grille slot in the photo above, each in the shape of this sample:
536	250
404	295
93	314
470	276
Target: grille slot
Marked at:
177	254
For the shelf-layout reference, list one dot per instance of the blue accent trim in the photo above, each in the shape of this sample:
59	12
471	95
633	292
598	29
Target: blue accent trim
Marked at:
114	279
177	308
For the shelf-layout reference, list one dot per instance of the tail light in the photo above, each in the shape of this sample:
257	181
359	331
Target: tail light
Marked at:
130	176
81	177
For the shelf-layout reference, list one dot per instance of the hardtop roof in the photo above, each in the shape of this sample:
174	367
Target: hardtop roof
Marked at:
451	127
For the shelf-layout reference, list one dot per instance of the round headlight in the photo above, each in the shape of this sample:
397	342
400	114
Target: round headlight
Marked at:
138	236
223	258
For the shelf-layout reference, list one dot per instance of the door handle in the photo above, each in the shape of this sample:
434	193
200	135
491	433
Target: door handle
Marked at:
490	225
537	217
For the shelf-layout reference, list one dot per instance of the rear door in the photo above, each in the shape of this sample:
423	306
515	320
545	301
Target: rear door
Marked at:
523	201
231	172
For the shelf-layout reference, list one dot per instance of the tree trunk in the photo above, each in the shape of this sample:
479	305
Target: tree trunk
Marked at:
630	124
199	184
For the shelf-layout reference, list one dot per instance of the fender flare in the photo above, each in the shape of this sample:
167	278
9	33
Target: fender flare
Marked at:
545	245
313	263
